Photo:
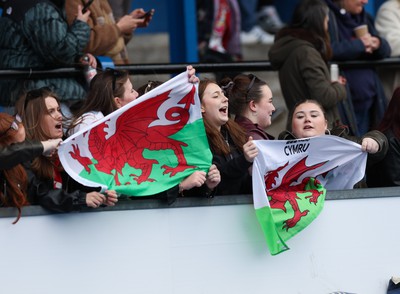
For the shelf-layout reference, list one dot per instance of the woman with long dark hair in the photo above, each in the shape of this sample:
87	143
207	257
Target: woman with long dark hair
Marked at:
233	153
48	183
300	53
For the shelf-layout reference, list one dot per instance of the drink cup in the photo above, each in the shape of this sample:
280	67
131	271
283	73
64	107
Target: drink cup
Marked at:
361	30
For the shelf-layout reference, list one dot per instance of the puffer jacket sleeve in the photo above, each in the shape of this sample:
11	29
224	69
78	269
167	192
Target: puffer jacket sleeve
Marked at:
51	37
42	193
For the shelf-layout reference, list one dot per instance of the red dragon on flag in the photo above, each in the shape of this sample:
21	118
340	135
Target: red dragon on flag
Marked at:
145	143
286	192
290	179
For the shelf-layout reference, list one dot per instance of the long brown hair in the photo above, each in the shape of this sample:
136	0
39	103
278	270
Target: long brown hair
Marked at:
13	191
215	137
33	109
391	118
103	88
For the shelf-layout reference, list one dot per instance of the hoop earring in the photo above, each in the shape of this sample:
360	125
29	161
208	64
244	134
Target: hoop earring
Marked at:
327	132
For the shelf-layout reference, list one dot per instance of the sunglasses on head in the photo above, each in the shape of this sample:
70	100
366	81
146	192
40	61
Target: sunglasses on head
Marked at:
34	94
14	125
115	74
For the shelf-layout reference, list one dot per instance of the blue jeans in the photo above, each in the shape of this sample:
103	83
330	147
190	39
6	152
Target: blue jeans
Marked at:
248	13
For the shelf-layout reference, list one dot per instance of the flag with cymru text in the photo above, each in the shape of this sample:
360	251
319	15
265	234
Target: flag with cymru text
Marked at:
145	147
290	179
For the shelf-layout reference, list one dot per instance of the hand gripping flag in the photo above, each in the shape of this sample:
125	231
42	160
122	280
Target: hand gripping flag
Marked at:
145	147
290	179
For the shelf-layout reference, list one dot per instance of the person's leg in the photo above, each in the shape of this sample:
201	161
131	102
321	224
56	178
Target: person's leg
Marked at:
248	12
252	33
268	17
363	120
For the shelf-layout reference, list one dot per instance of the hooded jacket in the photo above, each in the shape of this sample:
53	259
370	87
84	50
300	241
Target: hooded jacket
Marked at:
303	74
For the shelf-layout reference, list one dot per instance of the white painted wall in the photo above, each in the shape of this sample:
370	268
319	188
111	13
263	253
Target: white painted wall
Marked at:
353	246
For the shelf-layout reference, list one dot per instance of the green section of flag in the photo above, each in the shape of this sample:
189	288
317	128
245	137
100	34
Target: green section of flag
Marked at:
197	153
275	243
274	221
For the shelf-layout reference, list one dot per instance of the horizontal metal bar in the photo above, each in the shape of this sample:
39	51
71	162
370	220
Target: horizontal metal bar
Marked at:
138	203
168	68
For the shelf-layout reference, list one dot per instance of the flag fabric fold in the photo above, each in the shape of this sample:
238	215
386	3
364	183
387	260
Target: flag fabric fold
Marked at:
290	179
145	147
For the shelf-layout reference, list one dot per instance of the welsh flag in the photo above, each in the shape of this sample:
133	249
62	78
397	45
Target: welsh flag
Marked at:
145	147
290	179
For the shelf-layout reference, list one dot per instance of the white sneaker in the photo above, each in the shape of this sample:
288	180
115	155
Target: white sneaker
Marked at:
256	35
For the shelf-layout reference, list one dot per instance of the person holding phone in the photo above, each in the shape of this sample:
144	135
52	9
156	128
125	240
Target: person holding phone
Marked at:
109	37
35	34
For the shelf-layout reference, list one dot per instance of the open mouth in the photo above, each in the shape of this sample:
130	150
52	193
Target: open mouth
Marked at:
224	110
308	128
59	126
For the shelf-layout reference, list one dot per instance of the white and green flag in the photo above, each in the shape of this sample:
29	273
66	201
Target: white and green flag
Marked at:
145	147
290	179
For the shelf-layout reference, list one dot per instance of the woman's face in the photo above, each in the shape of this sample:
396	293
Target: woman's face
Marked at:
129	95
263	109
354	6
214	106
308	121
52	120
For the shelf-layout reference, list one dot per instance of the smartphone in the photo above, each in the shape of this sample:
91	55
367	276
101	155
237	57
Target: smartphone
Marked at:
148	13
86	6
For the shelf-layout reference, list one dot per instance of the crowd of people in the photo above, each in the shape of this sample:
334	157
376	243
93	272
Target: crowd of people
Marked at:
236	110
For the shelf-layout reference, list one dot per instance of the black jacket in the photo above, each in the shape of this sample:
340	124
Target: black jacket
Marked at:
42	192
18	153
234	169
386	173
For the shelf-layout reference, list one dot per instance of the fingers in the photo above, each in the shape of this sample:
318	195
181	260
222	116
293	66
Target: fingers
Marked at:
213	177
95	199
112	198
192	74
196	179
250	150
369	145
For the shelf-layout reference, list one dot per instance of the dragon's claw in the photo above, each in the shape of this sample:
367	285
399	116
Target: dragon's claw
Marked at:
141	179
174	170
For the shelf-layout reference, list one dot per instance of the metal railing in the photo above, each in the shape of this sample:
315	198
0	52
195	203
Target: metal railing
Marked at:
167	68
